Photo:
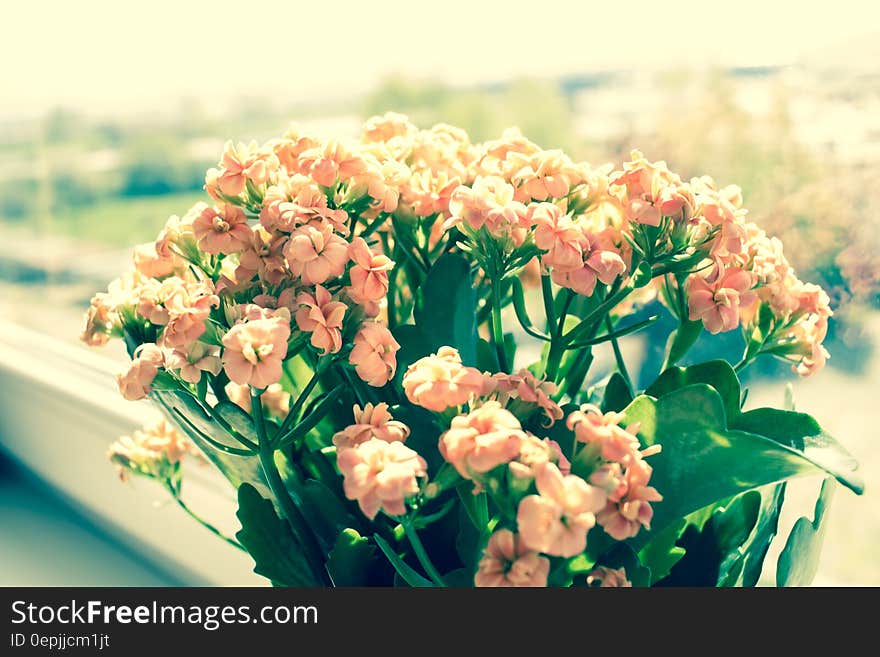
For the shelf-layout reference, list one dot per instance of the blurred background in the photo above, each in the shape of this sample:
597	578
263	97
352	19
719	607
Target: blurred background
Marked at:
110	116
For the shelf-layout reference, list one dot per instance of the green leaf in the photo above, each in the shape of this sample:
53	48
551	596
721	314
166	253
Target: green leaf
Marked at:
409	575
661	553
682	339
349	562
702	461
236	418
487	357
445	307
617	395
424	434
801	432
414	344
716	373
237	469
799	559
714	554
765	532
277	554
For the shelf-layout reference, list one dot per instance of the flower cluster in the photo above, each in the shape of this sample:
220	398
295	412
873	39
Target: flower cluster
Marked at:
320	265
154	451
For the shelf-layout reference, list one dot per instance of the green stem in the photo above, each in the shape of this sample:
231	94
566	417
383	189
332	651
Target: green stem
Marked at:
497	328
618	357
294	516
204	523
422	554
549	308
554	358
293	414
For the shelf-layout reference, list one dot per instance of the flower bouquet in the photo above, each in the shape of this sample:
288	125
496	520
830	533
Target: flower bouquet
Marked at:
385	345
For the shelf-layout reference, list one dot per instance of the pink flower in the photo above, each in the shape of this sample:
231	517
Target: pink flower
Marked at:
100	319
482	440
386	127
543	175
315	253
192	361
524	388
508	562
332	162
614	443
372	422
319	315
624	517
263	256
381	476
604	577
150	263
534	452
225	231
439	381
369	276
650	191
151	451
558	235
489	202
556	521
135	383
238	165
717	303
374	354
254	352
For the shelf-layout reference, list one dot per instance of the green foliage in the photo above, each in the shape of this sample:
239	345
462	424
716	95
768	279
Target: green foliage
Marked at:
716	373
445	307
351	559
703	460
276	553
714	554
799	559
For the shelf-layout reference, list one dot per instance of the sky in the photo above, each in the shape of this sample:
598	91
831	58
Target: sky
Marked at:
107	56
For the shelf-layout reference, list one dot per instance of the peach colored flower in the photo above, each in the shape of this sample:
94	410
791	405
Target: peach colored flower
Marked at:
188	306
543	175
198	357
371	422
717	303
508	562
534	452
315	253
489	202
651	191
151	451
264	257
275	400
319	315
369	276
374	354
331	162
254	351
238	165
222	231
381	476
136	382
439	381
150	263
523	387
614	443
428	192
482	440
100	319
556	521
297	200
623	518
387	127
558	235
604	577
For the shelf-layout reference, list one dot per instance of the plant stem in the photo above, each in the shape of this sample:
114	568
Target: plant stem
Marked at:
497	328
294	516
554	358
422	554
293	414
618	357
204	523
549	308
